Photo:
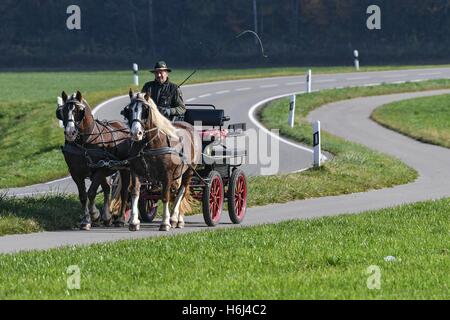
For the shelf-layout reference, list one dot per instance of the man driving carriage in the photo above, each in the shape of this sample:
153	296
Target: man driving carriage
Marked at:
166	95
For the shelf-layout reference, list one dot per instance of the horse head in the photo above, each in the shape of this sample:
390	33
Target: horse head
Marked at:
143	117
138	114
73	115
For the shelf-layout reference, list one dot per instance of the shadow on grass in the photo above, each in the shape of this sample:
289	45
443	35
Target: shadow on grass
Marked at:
46	213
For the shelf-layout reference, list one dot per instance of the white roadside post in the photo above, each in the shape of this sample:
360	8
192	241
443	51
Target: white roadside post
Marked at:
309	81
292	111
316	144
135	74
60	103
356	54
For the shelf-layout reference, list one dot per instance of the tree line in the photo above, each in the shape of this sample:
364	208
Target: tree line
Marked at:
200	33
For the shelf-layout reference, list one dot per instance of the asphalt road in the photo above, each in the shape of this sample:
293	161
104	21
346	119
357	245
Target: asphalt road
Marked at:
349	119
240	100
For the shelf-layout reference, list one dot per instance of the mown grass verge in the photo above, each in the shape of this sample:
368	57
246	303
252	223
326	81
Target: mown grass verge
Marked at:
326	258
425	119
36	214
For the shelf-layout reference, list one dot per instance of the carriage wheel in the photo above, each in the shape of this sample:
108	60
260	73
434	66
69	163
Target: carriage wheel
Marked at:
213	199
237	196
147	210
127	214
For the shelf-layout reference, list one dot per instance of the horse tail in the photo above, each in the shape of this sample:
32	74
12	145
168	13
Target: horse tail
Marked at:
116	200
186	203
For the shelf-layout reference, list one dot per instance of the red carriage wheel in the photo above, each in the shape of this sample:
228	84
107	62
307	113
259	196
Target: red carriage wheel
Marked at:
147	209
237	196
127	214
213	198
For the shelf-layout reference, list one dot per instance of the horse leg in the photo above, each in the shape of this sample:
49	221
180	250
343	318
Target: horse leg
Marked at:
177	220
92	193
183	203
134	224
82	195
165	224
106	214
119	221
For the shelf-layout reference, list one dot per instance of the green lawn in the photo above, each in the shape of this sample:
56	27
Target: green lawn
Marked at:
324	258
426	119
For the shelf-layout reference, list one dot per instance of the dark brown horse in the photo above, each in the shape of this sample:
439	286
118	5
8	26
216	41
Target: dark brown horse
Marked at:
162	152
94	150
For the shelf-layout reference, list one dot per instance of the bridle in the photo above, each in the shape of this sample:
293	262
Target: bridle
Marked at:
141	121
76	122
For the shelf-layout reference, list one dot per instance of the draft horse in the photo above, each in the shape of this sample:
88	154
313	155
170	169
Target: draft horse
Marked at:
94	149
163	152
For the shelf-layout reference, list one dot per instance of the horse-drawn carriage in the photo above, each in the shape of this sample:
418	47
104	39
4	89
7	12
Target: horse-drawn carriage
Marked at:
171	162
217	180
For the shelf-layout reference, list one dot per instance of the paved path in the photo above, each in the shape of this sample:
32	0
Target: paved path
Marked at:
241	99
348	119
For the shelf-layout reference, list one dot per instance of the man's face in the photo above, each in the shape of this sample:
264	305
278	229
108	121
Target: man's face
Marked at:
161	76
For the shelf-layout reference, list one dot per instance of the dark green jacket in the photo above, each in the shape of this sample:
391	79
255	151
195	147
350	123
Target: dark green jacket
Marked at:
167	95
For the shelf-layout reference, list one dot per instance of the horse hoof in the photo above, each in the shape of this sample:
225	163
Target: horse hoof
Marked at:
164	227
85	227
134	227
107	223
180	225
173	224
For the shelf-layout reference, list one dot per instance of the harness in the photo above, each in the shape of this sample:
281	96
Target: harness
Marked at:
145	152
112	161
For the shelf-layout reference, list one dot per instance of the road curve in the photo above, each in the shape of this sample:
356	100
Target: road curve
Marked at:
348	119
238	97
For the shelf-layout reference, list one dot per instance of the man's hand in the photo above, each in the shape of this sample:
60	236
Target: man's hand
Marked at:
167	112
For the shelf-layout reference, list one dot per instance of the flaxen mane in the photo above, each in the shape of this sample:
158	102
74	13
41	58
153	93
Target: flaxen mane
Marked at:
161	122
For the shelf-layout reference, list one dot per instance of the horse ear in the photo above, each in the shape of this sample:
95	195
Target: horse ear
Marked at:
79	96
64	96
131	93
147	97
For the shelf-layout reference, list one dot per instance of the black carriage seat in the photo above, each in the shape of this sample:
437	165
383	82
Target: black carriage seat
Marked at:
214	118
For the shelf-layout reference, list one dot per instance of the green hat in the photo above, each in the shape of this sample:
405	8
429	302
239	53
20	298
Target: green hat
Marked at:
161	65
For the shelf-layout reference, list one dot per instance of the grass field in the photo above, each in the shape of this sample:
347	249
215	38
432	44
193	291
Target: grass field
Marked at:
425	119
325	258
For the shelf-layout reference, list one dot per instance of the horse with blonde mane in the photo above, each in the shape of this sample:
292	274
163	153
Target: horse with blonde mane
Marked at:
162	152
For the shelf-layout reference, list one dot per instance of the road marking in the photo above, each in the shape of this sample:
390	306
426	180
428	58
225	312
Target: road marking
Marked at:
223	92
398	82
372	84
101	105
252	118
191	99
269	86
326	80
243	89
59	180
418	80
205	95
294	83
